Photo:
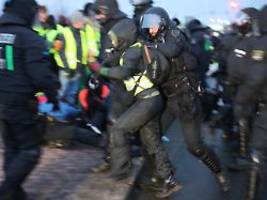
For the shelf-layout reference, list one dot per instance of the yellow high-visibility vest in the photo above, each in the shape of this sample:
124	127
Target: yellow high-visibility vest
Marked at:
139	82
40	30
93	39
71	49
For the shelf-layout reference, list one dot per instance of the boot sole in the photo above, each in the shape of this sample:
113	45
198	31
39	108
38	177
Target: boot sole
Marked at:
170	192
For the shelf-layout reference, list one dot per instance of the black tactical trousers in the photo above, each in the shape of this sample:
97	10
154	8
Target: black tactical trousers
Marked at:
190	120
143	115
22	141
121	100
259	154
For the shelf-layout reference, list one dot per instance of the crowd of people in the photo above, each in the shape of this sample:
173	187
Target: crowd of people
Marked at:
120	76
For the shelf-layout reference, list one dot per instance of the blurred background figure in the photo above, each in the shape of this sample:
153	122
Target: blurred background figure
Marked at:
72	58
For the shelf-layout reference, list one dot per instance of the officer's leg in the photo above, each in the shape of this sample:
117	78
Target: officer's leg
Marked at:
163	182
167	119
192	135
119	103
258	173
9	145
130	121
191	130
28	144
151	141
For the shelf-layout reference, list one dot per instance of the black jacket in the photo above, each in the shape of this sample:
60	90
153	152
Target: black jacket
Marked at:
175	47
248	73
198	37
114	16
226	46
24	65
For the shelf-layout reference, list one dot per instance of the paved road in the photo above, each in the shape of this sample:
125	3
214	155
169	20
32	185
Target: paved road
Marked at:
198	182
64	174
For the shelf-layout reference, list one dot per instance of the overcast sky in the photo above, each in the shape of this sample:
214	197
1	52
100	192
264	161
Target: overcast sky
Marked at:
203	9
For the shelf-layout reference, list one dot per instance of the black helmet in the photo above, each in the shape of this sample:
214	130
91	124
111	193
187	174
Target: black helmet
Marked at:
26	9
87	9
155	17
246	20
140	2
123	34
262	20
106	7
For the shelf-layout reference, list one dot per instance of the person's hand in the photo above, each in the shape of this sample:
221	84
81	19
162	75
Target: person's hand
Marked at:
58	45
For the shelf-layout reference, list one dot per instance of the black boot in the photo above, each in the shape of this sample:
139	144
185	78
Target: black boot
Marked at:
5	193
103	167
121	173
169	187
153	184
20	194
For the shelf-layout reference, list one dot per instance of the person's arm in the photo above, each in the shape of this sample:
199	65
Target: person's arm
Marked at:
37	67
251	87
131	61
174	44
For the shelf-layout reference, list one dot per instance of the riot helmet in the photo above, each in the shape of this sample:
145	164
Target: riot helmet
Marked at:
140	2
154	21
247	20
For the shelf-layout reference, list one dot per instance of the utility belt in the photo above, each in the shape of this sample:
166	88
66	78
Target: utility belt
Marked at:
170	88
179	85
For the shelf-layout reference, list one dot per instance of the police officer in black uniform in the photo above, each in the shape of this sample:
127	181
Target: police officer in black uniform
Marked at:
24	70
247	24
181	86
248	73
199	38
108	14
143	113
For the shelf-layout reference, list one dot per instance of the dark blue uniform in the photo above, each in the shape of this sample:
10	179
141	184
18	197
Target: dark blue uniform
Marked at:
24	70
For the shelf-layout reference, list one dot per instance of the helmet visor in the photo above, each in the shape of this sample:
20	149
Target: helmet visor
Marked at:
150	21
139	2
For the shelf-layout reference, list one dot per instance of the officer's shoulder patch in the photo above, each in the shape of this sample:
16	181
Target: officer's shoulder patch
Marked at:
6	38
258	55
240	53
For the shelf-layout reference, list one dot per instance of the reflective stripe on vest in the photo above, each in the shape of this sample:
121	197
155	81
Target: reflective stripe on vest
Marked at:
93	39
137	83
51	35
40	30
71	49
